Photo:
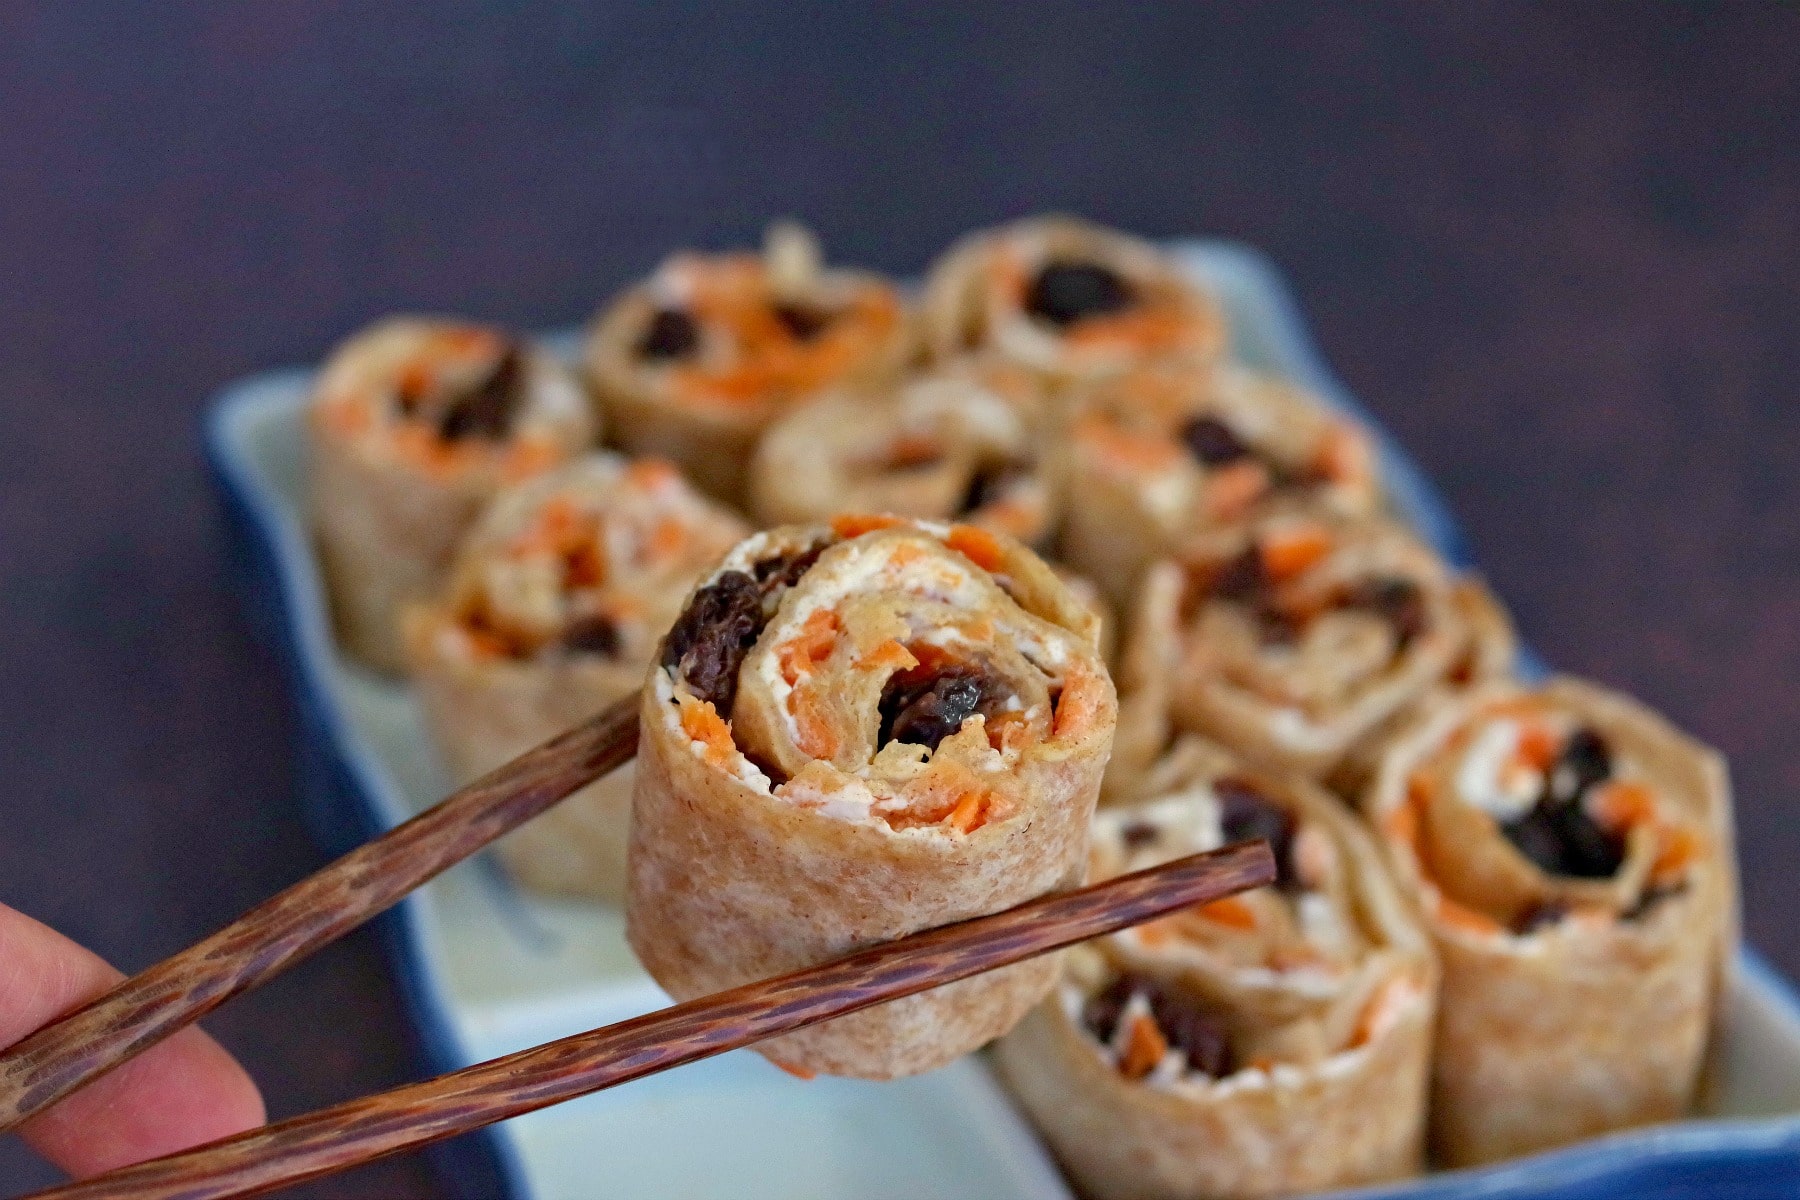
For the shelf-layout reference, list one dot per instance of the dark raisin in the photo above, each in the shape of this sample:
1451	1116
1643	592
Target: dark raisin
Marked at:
671	334
708	642
1534	835
1066	292
486	410
1194	1031
1397	600
801	320
1212	441
1138	834
1183	1021
781	571
923	707
991	483
1246	815
595	634
1585	760
1243	578
1561	839
1100	1015
1540	914
1589	852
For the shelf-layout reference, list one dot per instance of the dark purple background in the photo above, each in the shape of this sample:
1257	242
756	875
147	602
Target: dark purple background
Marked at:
1554	247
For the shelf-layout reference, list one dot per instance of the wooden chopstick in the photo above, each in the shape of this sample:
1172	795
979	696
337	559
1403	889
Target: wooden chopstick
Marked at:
347	1135
148	1007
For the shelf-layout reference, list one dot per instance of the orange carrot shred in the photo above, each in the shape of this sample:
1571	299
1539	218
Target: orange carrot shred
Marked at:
1680	848
851	525
1231	912
803	1074
966	816
1144	1048
1287	553
1537	746
1082	694
1620	804
1460	916
977	545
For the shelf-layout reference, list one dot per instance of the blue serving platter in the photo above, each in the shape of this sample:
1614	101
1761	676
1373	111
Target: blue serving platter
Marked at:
487	970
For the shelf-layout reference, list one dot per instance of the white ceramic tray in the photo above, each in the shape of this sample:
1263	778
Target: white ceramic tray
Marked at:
488	970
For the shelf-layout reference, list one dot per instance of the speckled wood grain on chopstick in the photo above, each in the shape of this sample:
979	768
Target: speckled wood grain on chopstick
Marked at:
347	1135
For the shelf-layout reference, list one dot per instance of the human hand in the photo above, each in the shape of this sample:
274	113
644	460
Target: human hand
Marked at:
183	1092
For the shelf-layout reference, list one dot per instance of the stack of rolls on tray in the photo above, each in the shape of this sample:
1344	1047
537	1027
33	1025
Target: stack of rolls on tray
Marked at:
1506	910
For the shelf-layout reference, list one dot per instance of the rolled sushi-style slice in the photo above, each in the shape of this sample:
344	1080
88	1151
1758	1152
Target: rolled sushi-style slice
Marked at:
693	363
1266	1044
1572	855
1296	634
1162	454
963	442
415	424
554	610
857	731
1070	300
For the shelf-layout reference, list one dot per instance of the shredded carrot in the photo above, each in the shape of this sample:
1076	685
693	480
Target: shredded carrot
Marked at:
1619	804
812	645
1144	1048
850	525
1009	731
977	545
1232	489
1288	552
702	722
813	733
1261	1062
890	654
966	816
1231	911
1537	746
1680	848
912	450
803	1074
1083	695
1460	916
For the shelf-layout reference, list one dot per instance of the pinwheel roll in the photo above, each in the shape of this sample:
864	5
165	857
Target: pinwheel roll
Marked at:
1164	453
1067	299
856	732
693	363
1265	1044
414	425
961	442
1298	633
1571	854
554	610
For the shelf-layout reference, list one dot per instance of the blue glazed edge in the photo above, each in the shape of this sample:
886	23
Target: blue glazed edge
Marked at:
1706	1158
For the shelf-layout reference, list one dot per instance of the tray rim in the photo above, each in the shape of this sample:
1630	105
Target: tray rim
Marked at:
299	633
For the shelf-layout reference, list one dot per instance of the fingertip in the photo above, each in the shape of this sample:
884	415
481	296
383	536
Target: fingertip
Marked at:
181	1094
